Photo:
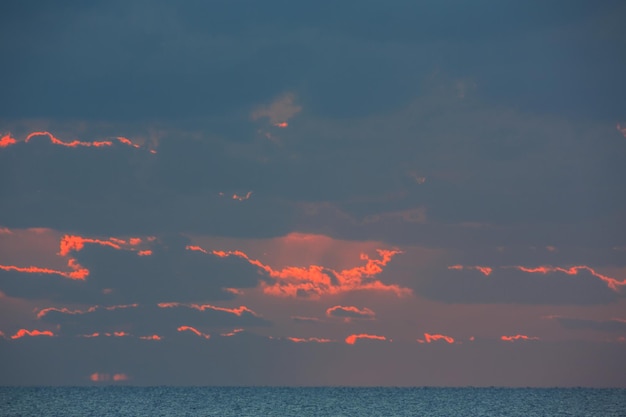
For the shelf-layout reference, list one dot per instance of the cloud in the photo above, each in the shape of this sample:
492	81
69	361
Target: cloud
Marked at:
144	320
429	338
24	332
194	331
316	280
279	111
352	339
518	337
485	270
612	283
516	284
350	312
77	271
7	140
115	273
309	340
104	377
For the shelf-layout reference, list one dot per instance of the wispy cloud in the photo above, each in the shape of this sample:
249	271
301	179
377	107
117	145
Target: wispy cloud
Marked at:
24	332
352	339
485	270
429	338
194	331
518	337
309	340
7	140
350	312
279	111
612	283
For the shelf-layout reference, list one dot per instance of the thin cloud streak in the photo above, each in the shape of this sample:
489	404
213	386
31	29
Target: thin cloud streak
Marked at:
353	338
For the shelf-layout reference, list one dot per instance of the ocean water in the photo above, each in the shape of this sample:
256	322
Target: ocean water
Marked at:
331	401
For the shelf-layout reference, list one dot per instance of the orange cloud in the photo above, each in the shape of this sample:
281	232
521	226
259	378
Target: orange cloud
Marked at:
23	332
242	197
517	337
435	337
195	331
91	309
282	125
485	270
350	312
310	339
75	243
6	141
151	337
317	280
144	252
230	334
101	377
202	307
612	283
196	248
78	272
354	337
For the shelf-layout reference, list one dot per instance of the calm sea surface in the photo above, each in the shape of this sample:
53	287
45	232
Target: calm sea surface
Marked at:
209	401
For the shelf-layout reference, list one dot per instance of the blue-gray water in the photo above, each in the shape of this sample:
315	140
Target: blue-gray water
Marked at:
210	401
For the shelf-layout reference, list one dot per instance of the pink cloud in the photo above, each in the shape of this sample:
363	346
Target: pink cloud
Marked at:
485	270
316	280
194	331
612	283
354	337
517	337
429	338
350	312
23	332
309	340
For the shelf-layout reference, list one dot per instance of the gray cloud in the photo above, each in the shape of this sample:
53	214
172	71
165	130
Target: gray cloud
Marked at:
511	286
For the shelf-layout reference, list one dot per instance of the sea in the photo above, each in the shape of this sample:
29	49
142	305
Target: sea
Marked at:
303	402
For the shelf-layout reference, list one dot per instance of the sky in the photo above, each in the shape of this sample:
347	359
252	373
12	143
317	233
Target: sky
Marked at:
271	192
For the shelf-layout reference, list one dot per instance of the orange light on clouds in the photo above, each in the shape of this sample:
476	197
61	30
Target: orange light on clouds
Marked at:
6	141
146	252
318	280
485	270
517	337
354	337
243	197
352	311
196	249
310	340
435	337
193	330
202	307
151	337
232	333
102	377
45	311
23	332
612	283
78	272
76	243
282	125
